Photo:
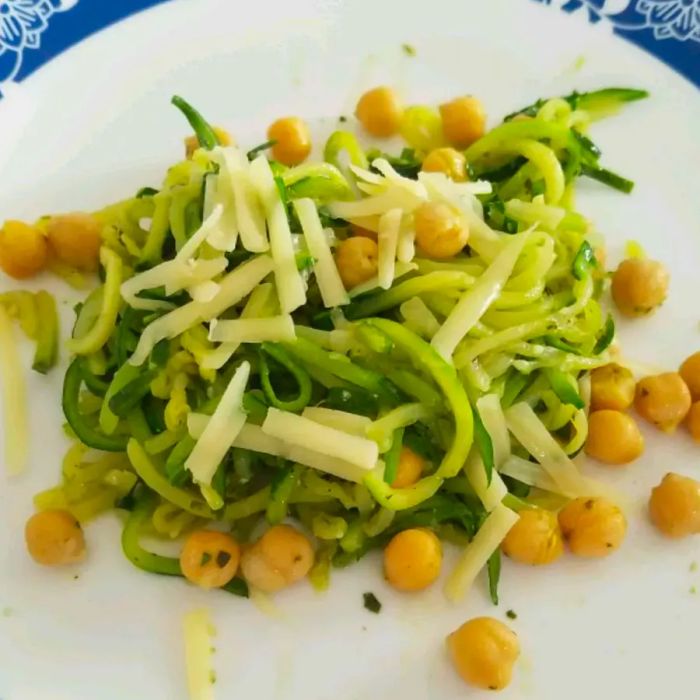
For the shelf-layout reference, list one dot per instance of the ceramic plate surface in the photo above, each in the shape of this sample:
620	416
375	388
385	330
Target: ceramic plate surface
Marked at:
94	124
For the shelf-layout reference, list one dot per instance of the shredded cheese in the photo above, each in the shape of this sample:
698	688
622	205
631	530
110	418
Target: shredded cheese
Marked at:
251	437
221	429
198	632
14	399
477	552
232	288
388	241
340	420
302	432
489	494
290	285
250	215
327	276
476	301
253	330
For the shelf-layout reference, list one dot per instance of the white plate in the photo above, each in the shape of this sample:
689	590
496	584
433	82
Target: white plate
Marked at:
95	124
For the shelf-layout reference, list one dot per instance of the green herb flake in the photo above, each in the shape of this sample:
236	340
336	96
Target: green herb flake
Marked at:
212	677
222	558
693	590
511	615
693	566
371	603
408	50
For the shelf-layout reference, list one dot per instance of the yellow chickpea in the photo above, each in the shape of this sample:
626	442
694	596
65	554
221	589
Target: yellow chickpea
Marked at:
448	161
357	260
592	527
409	469
639	286
412	559
612	386
463	121
613	437
23	250
379	111
663	399
293	140
535	539
674	506
483	652
690	371
75	239
692	421
440	230
54	538
192	142
209	558
281	557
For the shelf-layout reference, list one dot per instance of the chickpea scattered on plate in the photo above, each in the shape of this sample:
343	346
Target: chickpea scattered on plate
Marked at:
535	539
592	527
483	652
293	140
281	557
674	506
379	111
639	286
54	538
412	559
663	400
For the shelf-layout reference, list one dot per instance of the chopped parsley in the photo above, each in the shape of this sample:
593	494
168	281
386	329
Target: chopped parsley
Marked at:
693	566
511	615
371	602
409	50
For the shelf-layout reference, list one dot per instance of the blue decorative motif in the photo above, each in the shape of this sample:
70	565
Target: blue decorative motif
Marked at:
669	29
34	31
21	25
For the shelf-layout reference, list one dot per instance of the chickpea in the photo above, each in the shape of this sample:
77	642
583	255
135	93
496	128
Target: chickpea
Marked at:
75	239
357	260
693	421
448	161
192	142
535	539
412	559
463	121
612	386
613	437
484	651
592	527
690	372
23	250
663	399
440	230
281	557
409	470
209	558
54	538
674	506
639	286
379	111
293	140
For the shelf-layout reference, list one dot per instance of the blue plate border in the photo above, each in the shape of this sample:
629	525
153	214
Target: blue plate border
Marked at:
32	32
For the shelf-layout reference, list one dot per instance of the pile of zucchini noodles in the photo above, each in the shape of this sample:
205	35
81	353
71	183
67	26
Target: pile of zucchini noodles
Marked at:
477	363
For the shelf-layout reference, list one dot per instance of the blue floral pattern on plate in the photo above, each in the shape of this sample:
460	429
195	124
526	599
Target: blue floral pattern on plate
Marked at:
669	29
34	31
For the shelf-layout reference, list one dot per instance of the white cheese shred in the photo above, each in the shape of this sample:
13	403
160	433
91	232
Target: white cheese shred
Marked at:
221	430
327	276
388	241
290	285
475	555
198	632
